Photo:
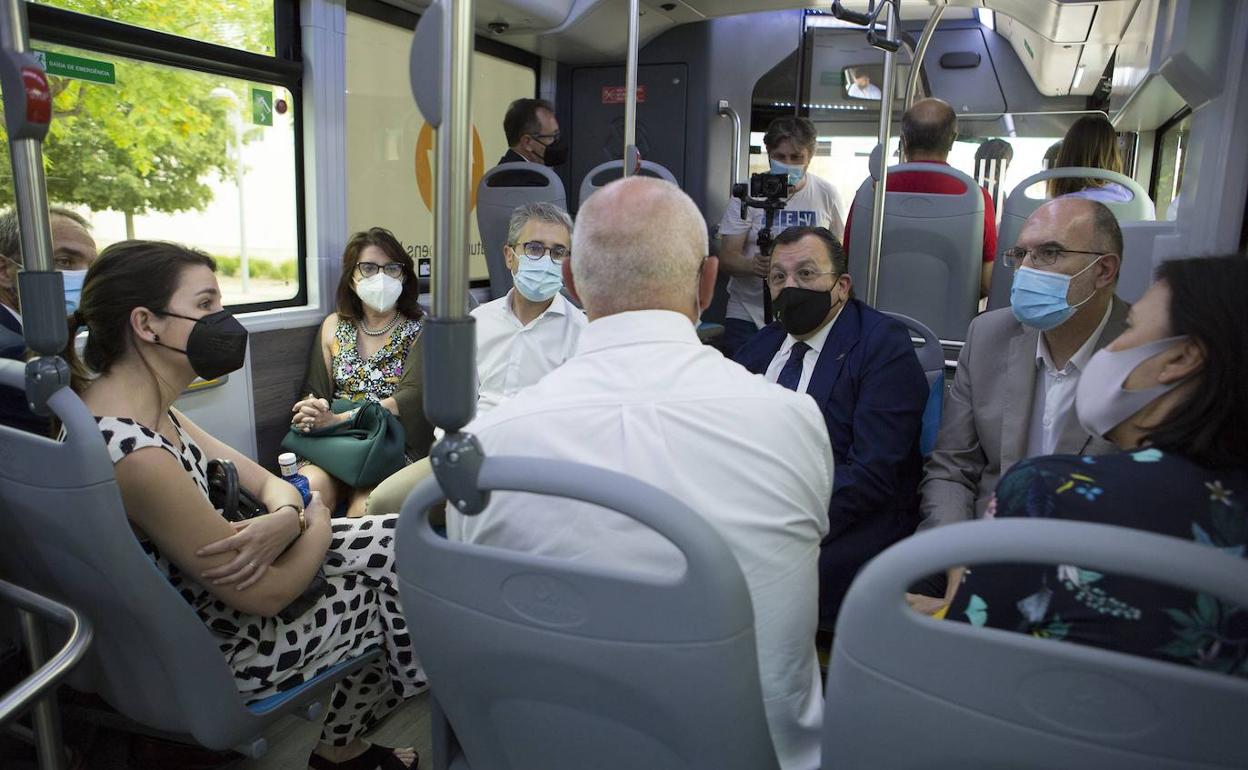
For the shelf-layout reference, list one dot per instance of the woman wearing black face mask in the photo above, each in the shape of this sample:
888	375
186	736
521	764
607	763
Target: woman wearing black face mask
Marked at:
1171	393
155	322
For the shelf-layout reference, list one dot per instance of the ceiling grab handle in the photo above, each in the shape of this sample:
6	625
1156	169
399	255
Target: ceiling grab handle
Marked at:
889	45
920	50
632	155
441	73
726	110
27	115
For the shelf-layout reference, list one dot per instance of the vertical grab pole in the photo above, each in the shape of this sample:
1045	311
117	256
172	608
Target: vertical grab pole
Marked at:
441	76
631	154
726	110
886	130
27	115
920	50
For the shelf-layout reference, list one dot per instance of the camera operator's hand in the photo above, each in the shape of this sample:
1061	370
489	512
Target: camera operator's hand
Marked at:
762	265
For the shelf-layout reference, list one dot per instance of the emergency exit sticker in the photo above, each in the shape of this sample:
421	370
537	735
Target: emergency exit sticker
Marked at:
618	94
77	67
261	107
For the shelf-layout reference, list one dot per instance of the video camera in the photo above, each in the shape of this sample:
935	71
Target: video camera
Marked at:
768	192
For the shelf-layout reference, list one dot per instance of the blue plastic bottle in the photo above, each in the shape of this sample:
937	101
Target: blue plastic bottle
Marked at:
289	465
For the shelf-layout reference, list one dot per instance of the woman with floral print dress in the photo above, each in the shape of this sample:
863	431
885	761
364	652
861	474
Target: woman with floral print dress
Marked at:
1184	473
369	350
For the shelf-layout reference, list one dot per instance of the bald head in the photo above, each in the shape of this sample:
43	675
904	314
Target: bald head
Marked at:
639	244
1070	220
928	130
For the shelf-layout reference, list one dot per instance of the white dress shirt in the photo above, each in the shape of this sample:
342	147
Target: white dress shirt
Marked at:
643	397
512	355
816	344
1053	406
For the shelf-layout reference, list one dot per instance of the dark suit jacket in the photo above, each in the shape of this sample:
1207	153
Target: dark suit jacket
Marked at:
13	409
515	179
872	391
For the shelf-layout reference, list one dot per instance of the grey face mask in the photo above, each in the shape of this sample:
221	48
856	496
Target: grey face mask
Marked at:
1101	402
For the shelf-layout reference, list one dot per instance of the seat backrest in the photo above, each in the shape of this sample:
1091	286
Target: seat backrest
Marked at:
931	355
64	534
932	251
547	663
1019	205
605	173
500	191
1138	265
904	688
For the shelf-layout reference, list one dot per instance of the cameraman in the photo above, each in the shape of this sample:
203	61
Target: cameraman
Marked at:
790	143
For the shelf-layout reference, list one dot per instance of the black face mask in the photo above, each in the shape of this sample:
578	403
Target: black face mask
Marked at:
802	310
556	152
217	344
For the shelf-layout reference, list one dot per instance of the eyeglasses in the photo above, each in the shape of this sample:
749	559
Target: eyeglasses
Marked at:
537	250
552	137
1044	256
369	269
805	277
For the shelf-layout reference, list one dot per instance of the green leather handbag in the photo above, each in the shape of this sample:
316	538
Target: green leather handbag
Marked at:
361	451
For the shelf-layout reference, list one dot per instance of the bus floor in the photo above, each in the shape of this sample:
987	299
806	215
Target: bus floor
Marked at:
93	747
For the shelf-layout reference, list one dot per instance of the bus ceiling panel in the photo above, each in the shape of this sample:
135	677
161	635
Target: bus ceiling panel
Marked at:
1135	57
500	17
1058	21
967	90
597	31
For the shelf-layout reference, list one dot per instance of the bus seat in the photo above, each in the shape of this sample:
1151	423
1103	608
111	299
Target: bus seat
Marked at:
604	173
497	196
1019	206
907	691
64	534
932	253
544	662
1138	265
932	358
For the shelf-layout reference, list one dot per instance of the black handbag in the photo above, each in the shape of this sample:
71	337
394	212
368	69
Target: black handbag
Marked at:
237	504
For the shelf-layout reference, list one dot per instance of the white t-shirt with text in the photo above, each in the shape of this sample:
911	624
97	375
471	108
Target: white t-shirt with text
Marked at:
815	205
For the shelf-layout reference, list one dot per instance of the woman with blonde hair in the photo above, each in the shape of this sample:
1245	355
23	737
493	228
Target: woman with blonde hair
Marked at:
1091	143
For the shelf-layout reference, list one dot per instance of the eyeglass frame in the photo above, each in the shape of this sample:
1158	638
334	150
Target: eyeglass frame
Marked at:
545	251
796	279
553	137
362	273
1008	256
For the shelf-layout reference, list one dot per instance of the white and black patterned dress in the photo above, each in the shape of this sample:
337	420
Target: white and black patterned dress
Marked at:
360	610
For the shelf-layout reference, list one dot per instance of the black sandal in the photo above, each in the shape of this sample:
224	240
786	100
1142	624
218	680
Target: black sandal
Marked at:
374	758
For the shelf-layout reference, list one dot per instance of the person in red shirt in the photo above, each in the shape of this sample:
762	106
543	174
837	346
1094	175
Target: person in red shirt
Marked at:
928	130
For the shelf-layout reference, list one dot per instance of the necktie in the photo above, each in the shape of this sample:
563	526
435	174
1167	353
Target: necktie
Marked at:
791	374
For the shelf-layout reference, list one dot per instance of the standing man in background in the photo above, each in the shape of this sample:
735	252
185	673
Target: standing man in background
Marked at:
790	143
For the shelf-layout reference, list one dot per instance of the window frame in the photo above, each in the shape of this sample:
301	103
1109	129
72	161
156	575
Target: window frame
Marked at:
91	33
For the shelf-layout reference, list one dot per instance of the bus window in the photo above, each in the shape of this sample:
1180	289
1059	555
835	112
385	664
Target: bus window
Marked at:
390	148
187	154
1171	158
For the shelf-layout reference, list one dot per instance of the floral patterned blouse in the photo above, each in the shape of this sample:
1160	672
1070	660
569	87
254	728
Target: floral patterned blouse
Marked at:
1147	489
373	379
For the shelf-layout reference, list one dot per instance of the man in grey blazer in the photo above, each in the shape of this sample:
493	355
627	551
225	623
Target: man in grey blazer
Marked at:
1013	393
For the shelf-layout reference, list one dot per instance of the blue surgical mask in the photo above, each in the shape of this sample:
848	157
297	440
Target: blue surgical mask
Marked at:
1038	297
795	172
538	279
73	288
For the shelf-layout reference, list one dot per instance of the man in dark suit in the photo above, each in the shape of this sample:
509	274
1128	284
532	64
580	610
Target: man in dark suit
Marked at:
860	367
532	137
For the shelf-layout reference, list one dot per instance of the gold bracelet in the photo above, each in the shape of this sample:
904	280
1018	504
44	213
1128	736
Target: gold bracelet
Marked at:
303	520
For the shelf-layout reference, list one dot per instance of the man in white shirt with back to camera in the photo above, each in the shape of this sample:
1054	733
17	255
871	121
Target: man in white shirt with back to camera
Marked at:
531	329
643	397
